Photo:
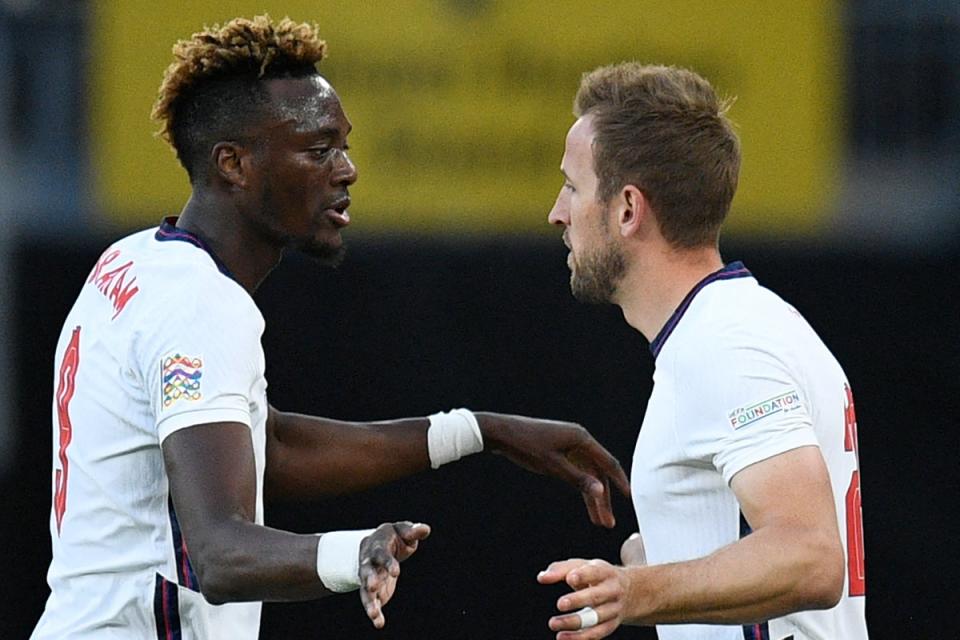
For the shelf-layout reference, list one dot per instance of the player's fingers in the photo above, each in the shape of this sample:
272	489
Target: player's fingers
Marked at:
615	472
602	630
369	576
571	621
591	573
411	533
590	597
607	621
570	466
607	465
567	565
600	507
371	606
591	488
558	571
594	583
593	510
386	590
379	620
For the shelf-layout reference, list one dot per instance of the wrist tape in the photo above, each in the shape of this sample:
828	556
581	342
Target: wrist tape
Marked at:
453	435
338	559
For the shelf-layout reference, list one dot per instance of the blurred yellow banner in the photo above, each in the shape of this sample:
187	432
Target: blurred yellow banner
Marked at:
460	107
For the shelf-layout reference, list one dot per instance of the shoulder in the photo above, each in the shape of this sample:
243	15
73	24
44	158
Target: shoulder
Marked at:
734	319
736	340
181	290
185	279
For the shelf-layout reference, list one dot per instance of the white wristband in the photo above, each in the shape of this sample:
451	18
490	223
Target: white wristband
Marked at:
453	435
338	559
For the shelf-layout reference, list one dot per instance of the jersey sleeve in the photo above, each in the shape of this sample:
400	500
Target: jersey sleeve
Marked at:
202	359
742	405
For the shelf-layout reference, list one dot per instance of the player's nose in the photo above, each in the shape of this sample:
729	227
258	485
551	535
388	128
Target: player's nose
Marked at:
345	172
560	213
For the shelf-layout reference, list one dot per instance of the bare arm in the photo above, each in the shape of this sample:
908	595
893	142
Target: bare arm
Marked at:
213	485
309	457
792	561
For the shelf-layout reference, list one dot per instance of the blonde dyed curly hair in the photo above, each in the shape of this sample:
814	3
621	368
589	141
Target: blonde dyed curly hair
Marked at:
217	70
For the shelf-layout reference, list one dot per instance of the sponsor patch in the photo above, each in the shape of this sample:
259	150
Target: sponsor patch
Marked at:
180	378
783	403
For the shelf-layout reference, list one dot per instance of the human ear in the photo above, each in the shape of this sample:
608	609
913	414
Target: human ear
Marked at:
232	163
633	209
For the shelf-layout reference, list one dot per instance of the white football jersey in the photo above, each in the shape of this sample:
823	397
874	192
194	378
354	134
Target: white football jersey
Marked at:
741	377
161	338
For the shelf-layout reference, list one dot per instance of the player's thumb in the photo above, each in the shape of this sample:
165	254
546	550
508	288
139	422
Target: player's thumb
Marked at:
411	532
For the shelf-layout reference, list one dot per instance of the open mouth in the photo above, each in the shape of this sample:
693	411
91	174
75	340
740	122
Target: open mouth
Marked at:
338	213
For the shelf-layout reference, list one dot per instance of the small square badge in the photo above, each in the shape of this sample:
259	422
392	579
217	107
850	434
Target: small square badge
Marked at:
180	378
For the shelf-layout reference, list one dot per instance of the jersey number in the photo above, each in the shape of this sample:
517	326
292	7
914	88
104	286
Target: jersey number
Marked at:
855	564
65	389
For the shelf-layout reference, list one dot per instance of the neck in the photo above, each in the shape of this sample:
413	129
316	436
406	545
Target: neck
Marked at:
655	286
218	222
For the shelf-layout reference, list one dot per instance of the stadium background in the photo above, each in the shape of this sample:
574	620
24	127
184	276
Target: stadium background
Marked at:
455	290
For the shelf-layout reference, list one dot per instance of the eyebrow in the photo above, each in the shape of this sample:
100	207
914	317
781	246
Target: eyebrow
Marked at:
324	132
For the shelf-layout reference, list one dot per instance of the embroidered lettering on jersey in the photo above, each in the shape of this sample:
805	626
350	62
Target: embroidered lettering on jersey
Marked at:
117	283
180	378
783	403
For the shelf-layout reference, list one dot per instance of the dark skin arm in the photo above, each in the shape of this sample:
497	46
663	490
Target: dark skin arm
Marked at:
310	457
213	485
212	477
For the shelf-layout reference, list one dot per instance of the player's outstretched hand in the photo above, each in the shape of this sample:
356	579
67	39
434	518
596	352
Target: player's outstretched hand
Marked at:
380	556
596	607
562	449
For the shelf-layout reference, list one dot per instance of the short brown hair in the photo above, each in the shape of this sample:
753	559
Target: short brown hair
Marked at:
664	130
212	88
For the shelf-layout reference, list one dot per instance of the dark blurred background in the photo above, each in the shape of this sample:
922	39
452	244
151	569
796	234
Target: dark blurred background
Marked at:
455	293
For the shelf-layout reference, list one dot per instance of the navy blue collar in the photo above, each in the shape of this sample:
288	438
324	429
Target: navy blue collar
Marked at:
732	270
168	230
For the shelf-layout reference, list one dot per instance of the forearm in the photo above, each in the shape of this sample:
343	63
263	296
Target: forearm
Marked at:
241	561
310	457
772	572
213	485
